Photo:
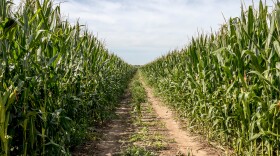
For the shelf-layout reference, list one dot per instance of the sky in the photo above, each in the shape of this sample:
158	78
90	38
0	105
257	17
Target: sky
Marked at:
139	31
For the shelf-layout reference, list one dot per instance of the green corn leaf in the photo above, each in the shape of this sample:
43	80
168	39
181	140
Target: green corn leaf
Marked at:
254	137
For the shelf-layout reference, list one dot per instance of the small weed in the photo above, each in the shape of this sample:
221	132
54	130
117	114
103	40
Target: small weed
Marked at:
136	151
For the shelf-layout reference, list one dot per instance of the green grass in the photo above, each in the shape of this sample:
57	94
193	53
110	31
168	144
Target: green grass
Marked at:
136	151
138	94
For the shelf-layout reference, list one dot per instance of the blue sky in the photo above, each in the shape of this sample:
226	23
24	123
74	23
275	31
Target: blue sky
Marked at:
141	30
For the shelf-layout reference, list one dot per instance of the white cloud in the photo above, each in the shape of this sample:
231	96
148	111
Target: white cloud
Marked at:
140	30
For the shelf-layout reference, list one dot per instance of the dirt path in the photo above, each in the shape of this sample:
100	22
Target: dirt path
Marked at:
186	141
120	128
155	136
157	132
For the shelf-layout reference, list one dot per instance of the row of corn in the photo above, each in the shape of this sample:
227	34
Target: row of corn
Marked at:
56	80
228	83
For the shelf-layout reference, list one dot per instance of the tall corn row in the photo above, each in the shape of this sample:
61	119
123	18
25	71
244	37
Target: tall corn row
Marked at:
55	80
228	83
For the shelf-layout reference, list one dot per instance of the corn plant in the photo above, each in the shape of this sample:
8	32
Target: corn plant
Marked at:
227	83
56	80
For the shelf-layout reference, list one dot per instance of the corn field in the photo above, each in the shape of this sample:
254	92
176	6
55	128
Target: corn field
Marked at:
56	80
227	83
